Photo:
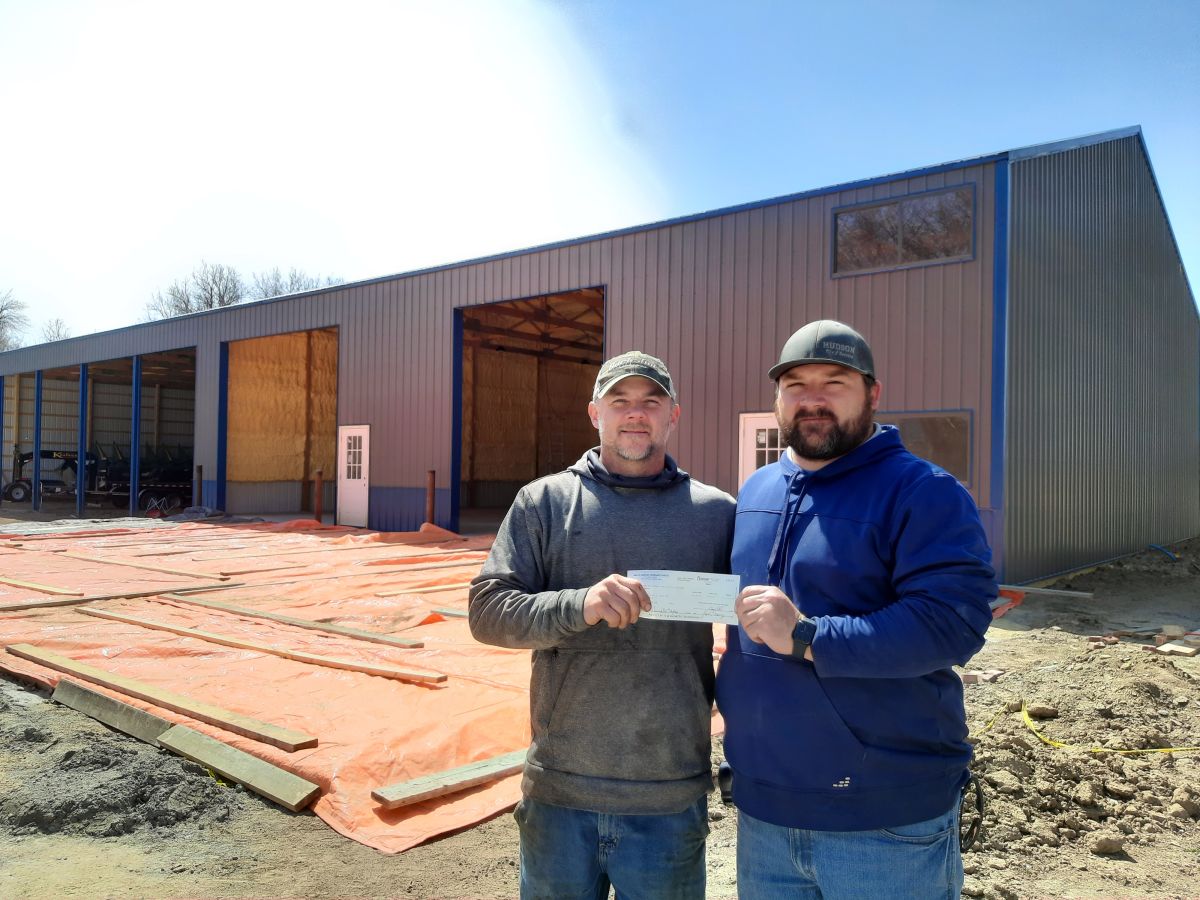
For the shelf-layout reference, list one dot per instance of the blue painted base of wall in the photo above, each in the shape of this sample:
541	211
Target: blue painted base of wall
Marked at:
403	508
208	493
389	509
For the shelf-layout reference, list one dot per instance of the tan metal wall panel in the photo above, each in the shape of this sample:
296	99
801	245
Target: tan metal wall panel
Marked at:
1104	365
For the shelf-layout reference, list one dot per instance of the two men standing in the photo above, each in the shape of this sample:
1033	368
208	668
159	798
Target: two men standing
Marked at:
865	576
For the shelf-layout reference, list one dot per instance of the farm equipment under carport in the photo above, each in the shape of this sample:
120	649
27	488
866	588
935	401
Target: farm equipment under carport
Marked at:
164	482
59	474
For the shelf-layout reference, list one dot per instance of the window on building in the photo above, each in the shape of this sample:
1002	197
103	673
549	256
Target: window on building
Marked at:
908	231
942	438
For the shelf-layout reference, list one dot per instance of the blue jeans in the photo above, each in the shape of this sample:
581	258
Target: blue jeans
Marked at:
573	853
908	862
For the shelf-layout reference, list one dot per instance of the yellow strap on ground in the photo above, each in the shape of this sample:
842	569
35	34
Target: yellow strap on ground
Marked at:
1045	740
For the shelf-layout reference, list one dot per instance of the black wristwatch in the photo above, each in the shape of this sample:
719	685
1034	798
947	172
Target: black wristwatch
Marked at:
802	637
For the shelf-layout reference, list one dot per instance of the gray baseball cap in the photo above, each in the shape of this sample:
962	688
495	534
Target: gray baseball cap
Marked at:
825	341
635	362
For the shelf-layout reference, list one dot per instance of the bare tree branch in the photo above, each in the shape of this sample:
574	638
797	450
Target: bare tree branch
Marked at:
210	286
13	320
55	330
275	284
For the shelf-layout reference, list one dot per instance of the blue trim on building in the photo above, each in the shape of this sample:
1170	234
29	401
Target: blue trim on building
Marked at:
36	484
218	495
135	437
456	421
1087	140
208	493
81	466
999	364
587	239
403	508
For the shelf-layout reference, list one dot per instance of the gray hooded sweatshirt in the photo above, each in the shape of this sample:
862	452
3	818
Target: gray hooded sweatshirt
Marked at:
621	717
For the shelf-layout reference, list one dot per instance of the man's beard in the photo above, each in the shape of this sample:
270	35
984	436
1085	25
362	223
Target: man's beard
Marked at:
628	453
837	440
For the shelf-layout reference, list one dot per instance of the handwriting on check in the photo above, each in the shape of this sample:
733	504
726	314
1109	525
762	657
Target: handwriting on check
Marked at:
689	596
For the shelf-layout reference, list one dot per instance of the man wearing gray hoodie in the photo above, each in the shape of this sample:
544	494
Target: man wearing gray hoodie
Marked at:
617	775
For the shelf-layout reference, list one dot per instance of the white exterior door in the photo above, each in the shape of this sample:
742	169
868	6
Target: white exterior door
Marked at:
354	469
758	443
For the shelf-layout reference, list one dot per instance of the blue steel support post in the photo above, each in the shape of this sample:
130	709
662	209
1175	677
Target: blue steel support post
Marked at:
222	423
81	467
135	436
456	421
36	484
999	366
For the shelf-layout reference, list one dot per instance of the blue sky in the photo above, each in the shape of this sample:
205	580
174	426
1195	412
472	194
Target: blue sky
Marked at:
364	139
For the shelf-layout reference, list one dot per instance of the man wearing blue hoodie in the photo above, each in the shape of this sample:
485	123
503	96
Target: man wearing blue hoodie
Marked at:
866	575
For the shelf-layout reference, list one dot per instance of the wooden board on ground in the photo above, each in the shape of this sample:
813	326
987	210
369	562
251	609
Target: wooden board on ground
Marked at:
112	712
451	781
87	557
288	790
331	662
436	589
124	595
41	588
1049	592
390	640
284	738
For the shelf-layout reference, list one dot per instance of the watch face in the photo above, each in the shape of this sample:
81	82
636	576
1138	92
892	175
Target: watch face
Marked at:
805	631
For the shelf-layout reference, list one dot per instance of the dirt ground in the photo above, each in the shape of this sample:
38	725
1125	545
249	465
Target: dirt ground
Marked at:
87	812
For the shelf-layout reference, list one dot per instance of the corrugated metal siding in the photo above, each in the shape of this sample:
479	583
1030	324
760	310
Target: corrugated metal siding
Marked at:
60	418
715	296
1104	365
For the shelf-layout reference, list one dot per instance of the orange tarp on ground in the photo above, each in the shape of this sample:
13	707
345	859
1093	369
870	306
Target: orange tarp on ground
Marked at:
372	731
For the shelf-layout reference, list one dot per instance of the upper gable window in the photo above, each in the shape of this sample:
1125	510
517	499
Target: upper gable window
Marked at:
934	227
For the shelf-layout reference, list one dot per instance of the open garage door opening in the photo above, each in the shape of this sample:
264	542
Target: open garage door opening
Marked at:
92	407
528	367
281	423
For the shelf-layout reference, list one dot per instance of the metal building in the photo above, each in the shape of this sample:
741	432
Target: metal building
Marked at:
1034	331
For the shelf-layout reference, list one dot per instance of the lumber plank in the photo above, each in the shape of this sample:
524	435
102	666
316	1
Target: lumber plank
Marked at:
331	662
451	781
246	570
451	612
1049	592
41	588
373	637
125	595
284	738
112	712
288	790
436	589
341	576
88	557
344	548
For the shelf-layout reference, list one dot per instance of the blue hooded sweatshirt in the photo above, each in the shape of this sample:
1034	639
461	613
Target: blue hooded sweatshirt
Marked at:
886	553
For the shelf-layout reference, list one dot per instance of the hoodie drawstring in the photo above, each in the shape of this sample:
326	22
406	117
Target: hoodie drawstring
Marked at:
787	517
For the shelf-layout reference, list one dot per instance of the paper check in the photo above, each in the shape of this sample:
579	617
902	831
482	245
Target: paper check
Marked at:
689	596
